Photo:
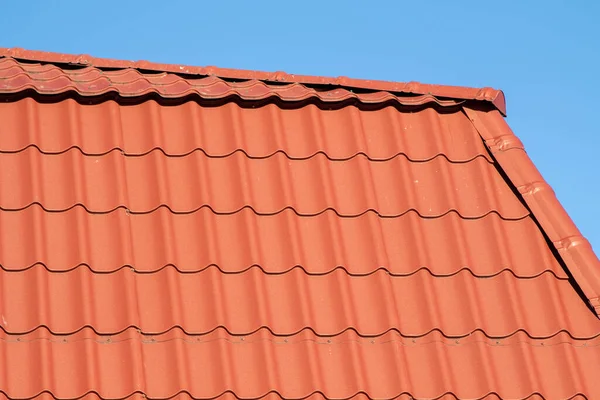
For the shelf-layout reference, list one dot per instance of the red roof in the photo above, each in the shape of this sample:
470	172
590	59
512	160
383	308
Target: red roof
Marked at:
199	232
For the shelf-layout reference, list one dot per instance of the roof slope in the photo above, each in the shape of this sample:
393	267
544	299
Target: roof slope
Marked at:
198	232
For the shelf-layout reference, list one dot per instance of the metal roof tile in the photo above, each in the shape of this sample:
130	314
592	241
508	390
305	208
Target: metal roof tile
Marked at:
285	304
495	97
295	367
281	236
578	255
62	241
267	186
17	77
259	132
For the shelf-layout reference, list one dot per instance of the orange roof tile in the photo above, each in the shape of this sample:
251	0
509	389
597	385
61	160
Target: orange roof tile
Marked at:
171	231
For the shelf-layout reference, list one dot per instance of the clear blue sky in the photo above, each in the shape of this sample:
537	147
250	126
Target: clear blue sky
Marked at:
545	55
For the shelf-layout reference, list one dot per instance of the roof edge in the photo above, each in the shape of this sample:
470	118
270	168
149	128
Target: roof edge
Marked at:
486	94
571	246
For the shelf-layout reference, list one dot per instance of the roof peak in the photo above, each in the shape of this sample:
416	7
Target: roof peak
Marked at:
486	94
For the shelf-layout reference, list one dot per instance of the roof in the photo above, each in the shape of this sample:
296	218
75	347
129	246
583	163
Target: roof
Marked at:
170	231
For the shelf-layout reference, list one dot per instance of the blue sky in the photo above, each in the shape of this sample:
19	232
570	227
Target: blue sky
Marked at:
545	55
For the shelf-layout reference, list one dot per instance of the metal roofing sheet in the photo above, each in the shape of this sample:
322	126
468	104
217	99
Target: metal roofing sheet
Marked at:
267	186
62	241
288	303
296	367
574	249
259	132
50	80
268	396
495	97
273	238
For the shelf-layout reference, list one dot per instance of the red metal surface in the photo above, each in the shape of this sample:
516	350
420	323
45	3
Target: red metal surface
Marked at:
574	249
496	97
297	366
242	248
267	186
51	80
288	303
269	396
62	241
259	132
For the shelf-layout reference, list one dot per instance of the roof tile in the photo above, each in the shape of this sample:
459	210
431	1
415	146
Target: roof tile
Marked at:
540	198
267	186
190	232
495	97
259	132
286	304
62	241
294	367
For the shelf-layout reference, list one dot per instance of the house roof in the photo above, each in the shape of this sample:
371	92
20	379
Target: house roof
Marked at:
199	232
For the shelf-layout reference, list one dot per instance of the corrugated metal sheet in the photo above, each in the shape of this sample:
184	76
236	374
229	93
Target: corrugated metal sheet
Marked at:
253	239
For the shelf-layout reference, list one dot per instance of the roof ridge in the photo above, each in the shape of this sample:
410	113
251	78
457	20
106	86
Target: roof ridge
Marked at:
485	94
